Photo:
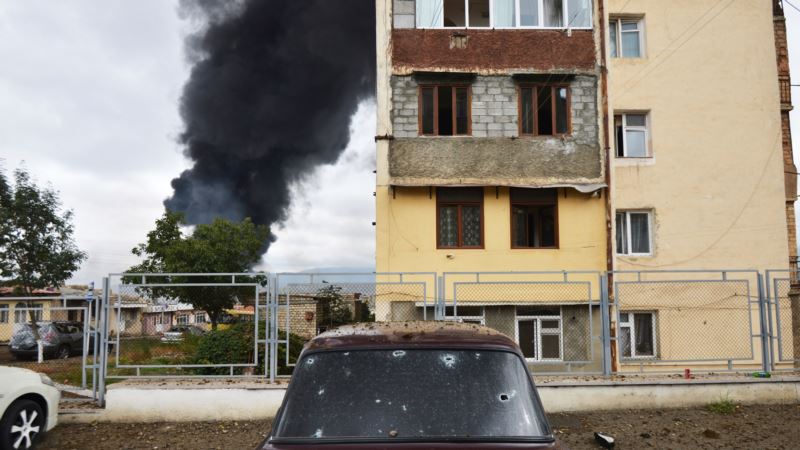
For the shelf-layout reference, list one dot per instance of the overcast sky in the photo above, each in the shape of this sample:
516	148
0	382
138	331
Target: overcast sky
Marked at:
88	100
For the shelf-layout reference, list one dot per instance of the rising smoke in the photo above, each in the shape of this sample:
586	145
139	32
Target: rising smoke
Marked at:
271	92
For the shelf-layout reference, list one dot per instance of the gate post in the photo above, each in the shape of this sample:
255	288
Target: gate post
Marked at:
103	350
605	324
763	310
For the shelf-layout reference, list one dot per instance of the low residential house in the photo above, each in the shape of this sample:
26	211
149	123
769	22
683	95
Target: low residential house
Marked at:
161	317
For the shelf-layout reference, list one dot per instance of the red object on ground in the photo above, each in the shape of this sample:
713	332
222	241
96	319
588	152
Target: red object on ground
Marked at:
687	374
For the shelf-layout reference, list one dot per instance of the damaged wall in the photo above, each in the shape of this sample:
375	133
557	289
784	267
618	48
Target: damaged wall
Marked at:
541	160
492	51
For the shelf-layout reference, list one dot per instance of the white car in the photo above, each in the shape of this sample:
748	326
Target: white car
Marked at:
29	407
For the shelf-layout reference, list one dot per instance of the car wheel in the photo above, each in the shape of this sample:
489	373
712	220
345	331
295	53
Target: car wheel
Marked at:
63	352
22	425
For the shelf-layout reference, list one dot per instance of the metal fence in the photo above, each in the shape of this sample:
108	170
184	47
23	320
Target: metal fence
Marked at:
55	336
702	320
554	316
783	294
566	322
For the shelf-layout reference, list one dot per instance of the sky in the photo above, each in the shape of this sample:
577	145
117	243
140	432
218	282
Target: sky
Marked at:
89	104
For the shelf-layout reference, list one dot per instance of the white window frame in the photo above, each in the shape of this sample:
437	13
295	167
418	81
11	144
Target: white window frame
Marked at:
625	127
4	309
24	312
181	317
629	235
537	332
202	316
617	21
517	16
630	323
459	318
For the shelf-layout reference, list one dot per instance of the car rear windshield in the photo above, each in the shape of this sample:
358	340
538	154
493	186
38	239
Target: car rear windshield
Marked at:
410	395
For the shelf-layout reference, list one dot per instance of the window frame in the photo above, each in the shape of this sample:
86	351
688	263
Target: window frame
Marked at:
4	313
537	332
629	235
517	17
460	225
534	87
513	203
200	315
436	87
25	310
180	317
617	22
631	323
468	318
625	127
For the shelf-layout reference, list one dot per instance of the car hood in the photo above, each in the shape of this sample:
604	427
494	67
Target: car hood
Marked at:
6	371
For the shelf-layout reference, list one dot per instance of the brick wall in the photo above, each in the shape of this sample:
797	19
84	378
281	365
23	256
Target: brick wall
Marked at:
297	318
494	107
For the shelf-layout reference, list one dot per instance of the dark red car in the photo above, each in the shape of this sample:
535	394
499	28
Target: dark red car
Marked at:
415	385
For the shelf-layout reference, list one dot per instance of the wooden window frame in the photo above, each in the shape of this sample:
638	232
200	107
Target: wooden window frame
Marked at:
513	203
535	101
435	87
460	225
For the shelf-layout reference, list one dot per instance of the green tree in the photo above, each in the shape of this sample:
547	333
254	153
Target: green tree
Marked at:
36	237
334	310
221	246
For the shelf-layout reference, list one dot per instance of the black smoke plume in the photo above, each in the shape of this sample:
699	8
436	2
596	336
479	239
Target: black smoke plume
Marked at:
272	89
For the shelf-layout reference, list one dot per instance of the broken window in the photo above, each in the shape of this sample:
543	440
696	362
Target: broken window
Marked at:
445	110
631	136
503	13
534	218
539	337
544	110
633	233
625	37
459	217
637	334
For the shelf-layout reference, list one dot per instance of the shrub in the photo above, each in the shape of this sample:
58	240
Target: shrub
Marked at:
235	346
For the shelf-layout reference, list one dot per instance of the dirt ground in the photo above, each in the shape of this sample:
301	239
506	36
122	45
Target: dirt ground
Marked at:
748	427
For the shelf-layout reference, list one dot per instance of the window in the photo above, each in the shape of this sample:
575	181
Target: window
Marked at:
637	337
633	233
539	336
200	318
466	314
183	319
3	313
534	218
459	217
631	137
444	110
544	110
22	312
625	38
504	13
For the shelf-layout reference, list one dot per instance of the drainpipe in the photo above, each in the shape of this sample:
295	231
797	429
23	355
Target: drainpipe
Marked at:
607	150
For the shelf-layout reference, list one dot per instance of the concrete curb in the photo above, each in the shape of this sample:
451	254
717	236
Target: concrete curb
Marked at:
213	401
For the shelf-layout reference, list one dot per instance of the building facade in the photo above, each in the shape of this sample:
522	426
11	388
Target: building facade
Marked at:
532	136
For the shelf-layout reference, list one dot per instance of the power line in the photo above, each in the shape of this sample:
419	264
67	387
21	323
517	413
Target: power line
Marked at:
792	5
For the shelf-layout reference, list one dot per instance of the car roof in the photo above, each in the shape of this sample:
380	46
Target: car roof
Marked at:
412	334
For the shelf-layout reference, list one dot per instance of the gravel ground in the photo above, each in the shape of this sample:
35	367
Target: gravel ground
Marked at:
748	427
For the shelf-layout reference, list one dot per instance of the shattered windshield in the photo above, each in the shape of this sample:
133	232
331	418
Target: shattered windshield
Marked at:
410	394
